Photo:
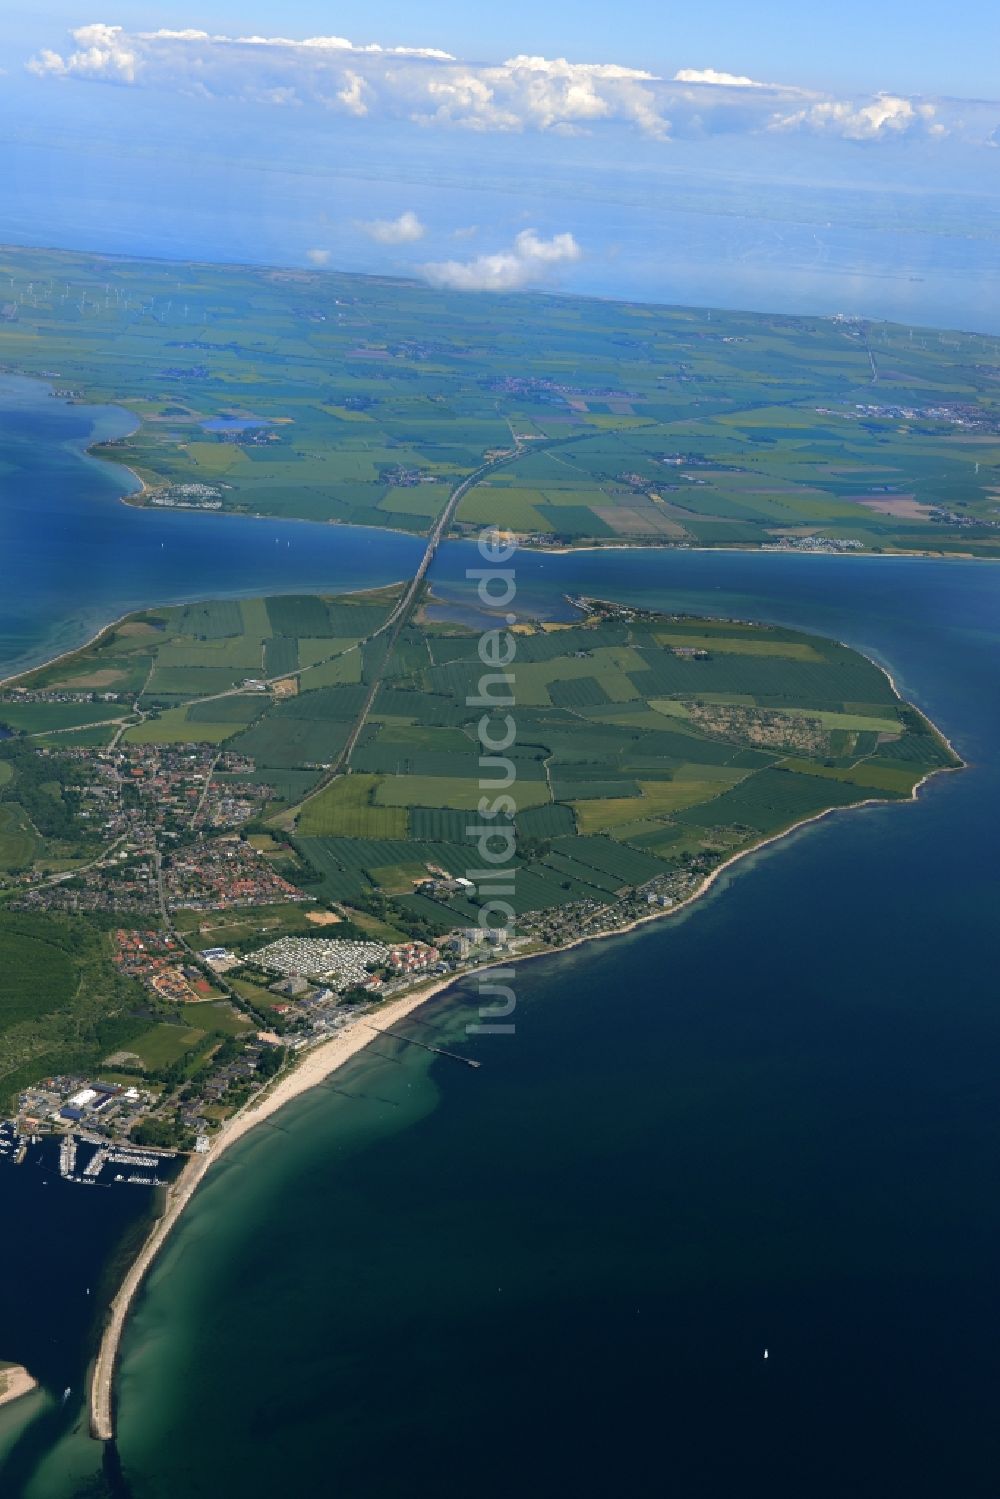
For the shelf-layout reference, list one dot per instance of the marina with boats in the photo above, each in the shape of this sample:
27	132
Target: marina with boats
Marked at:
85	1161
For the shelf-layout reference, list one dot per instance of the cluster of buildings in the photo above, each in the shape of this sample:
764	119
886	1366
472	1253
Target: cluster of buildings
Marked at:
233	1075
558	925
481	941
114	1113
814	544
55	695
342	964
122	883
443	885
91	1101
229	804
139	796
186	497
156	960
412	958
969	418
541	389
407	478
214	874
172	784
137	790
72	1101
247	437
946	517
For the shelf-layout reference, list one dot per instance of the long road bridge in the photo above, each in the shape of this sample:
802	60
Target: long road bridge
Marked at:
397	620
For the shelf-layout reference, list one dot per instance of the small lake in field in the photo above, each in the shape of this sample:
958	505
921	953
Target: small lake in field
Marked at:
235	424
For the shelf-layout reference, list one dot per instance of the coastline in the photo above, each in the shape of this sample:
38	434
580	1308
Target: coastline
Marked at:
86	645
122	619
316	1066
137	499
313	1069
15	1381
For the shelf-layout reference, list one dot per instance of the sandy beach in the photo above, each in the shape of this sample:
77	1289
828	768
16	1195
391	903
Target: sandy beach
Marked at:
15	1381
314	1067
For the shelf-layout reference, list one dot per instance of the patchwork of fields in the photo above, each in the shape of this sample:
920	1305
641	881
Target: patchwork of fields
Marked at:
643	742
222	672
364	400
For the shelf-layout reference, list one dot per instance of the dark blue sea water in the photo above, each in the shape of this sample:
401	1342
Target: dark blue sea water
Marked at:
65	1247
771	1123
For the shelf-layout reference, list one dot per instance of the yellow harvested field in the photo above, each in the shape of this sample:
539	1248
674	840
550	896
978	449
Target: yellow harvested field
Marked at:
345	809
106	678
173	727
658	798
726	646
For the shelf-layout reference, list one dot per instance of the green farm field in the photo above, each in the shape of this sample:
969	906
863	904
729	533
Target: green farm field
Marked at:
163	1045
643	742
755	729
652	424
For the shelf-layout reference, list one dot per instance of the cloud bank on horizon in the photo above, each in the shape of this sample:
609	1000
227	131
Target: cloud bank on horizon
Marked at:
431	88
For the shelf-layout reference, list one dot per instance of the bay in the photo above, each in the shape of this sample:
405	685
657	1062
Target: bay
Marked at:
73	557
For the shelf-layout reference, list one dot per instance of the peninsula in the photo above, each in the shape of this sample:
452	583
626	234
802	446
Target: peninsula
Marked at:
244	835
15	1381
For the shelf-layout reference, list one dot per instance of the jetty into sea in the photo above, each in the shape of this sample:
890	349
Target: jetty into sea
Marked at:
425	1046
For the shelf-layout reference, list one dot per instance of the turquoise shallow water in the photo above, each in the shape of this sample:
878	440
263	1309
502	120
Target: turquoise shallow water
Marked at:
771	1123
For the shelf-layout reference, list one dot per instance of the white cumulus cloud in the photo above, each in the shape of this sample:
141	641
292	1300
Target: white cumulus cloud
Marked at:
432	88
422	84
719	80
101	52
353	95
318	257
886	115
527	262
401	231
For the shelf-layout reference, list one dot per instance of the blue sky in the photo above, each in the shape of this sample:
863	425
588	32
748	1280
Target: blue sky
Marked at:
764	154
